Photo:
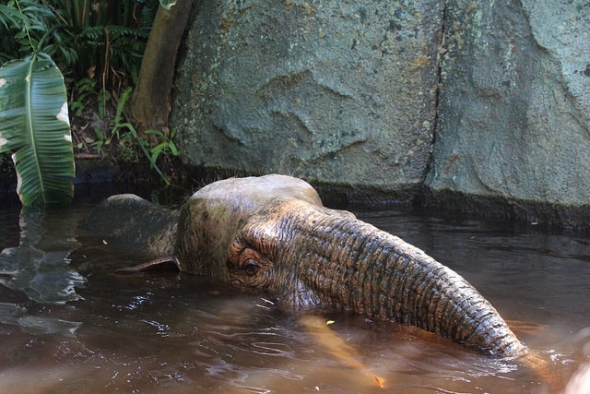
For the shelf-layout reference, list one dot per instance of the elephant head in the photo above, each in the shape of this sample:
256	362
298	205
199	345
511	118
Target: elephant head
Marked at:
273	233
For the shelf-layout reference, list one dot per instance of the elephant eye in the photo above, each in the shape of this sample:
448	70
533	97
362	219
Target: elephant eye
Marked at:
251	267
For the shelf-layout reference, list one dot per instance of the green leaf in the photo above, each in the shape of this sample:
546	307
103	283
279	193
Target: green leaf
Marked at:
157	150
10	17
167	4
157	133
34	125
173	148
126	95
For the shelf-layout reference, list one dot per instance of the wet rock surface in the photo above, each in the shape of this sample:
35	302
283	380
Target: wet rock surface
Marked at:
341	92
472	106
514	109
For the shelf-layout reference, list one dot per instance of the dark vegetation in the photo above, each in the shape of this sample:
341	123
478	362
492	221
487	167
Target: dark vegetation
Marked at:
98	45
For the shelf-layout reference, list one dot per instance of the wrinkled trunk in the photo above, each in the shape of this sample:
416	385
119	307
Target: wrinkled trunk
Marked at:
353	264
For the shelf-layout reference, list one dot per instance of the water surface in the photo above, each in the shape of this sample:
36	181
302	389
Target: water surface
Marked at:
69	324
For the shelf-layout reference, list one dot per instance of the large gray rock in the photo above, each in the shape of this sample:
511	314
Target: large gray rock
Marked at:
334	91
345	92
514	113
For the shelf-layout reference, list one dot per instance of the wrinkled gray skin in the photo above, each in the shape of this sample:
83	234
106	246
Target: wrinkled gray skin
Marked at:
273	233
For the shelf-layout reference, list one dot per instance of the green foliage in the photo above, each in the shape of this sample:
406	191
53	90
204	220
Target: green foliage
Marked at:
103	40
99	44
29	26
34	125
165	145
101	139
110	37
123	126
82	90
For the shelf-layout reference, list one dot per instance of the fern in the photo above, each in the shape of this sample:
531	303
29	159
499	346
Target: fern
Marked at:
115	32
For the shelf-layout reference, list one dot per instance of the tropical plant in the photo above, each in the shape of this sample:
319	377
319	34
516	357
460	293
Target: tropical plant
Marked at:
31	26
34	122
34	125
81	91
164	146
110	37
104	40
123	128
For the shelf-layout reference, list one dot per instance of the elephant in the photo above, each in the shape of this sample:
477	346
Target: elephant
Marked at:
273	233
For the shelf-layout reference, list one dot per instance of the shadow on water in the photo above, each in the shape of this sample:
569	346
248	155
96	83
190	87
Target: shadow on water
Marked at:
68	323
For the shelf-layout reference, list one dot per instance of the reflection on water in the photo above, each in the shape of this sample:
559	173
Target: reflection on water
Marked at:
40	268
69	324
40	265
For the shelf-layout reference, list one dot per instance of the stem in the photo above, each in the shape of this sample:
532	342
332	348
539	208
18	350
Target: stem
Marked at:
132	130
25	19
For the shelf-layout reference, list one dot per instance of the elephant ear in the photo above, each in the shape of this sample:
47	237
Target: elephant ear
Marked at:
34	125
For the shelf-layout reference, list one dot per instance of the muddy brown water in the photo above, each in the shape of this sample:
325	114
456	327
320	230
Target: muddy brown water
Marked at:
69	325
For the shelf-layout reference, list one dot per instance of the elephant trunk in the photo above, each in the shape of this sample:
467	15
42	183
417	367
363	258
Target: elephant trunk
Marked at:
352	264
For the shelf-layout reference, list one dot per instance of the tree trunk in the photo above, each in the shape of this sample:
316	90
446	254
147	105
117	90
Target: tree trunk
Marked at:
150	104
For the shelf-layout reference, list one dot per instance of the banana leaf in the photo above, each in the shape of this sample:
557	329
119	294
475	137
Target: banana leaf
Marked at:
34	125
